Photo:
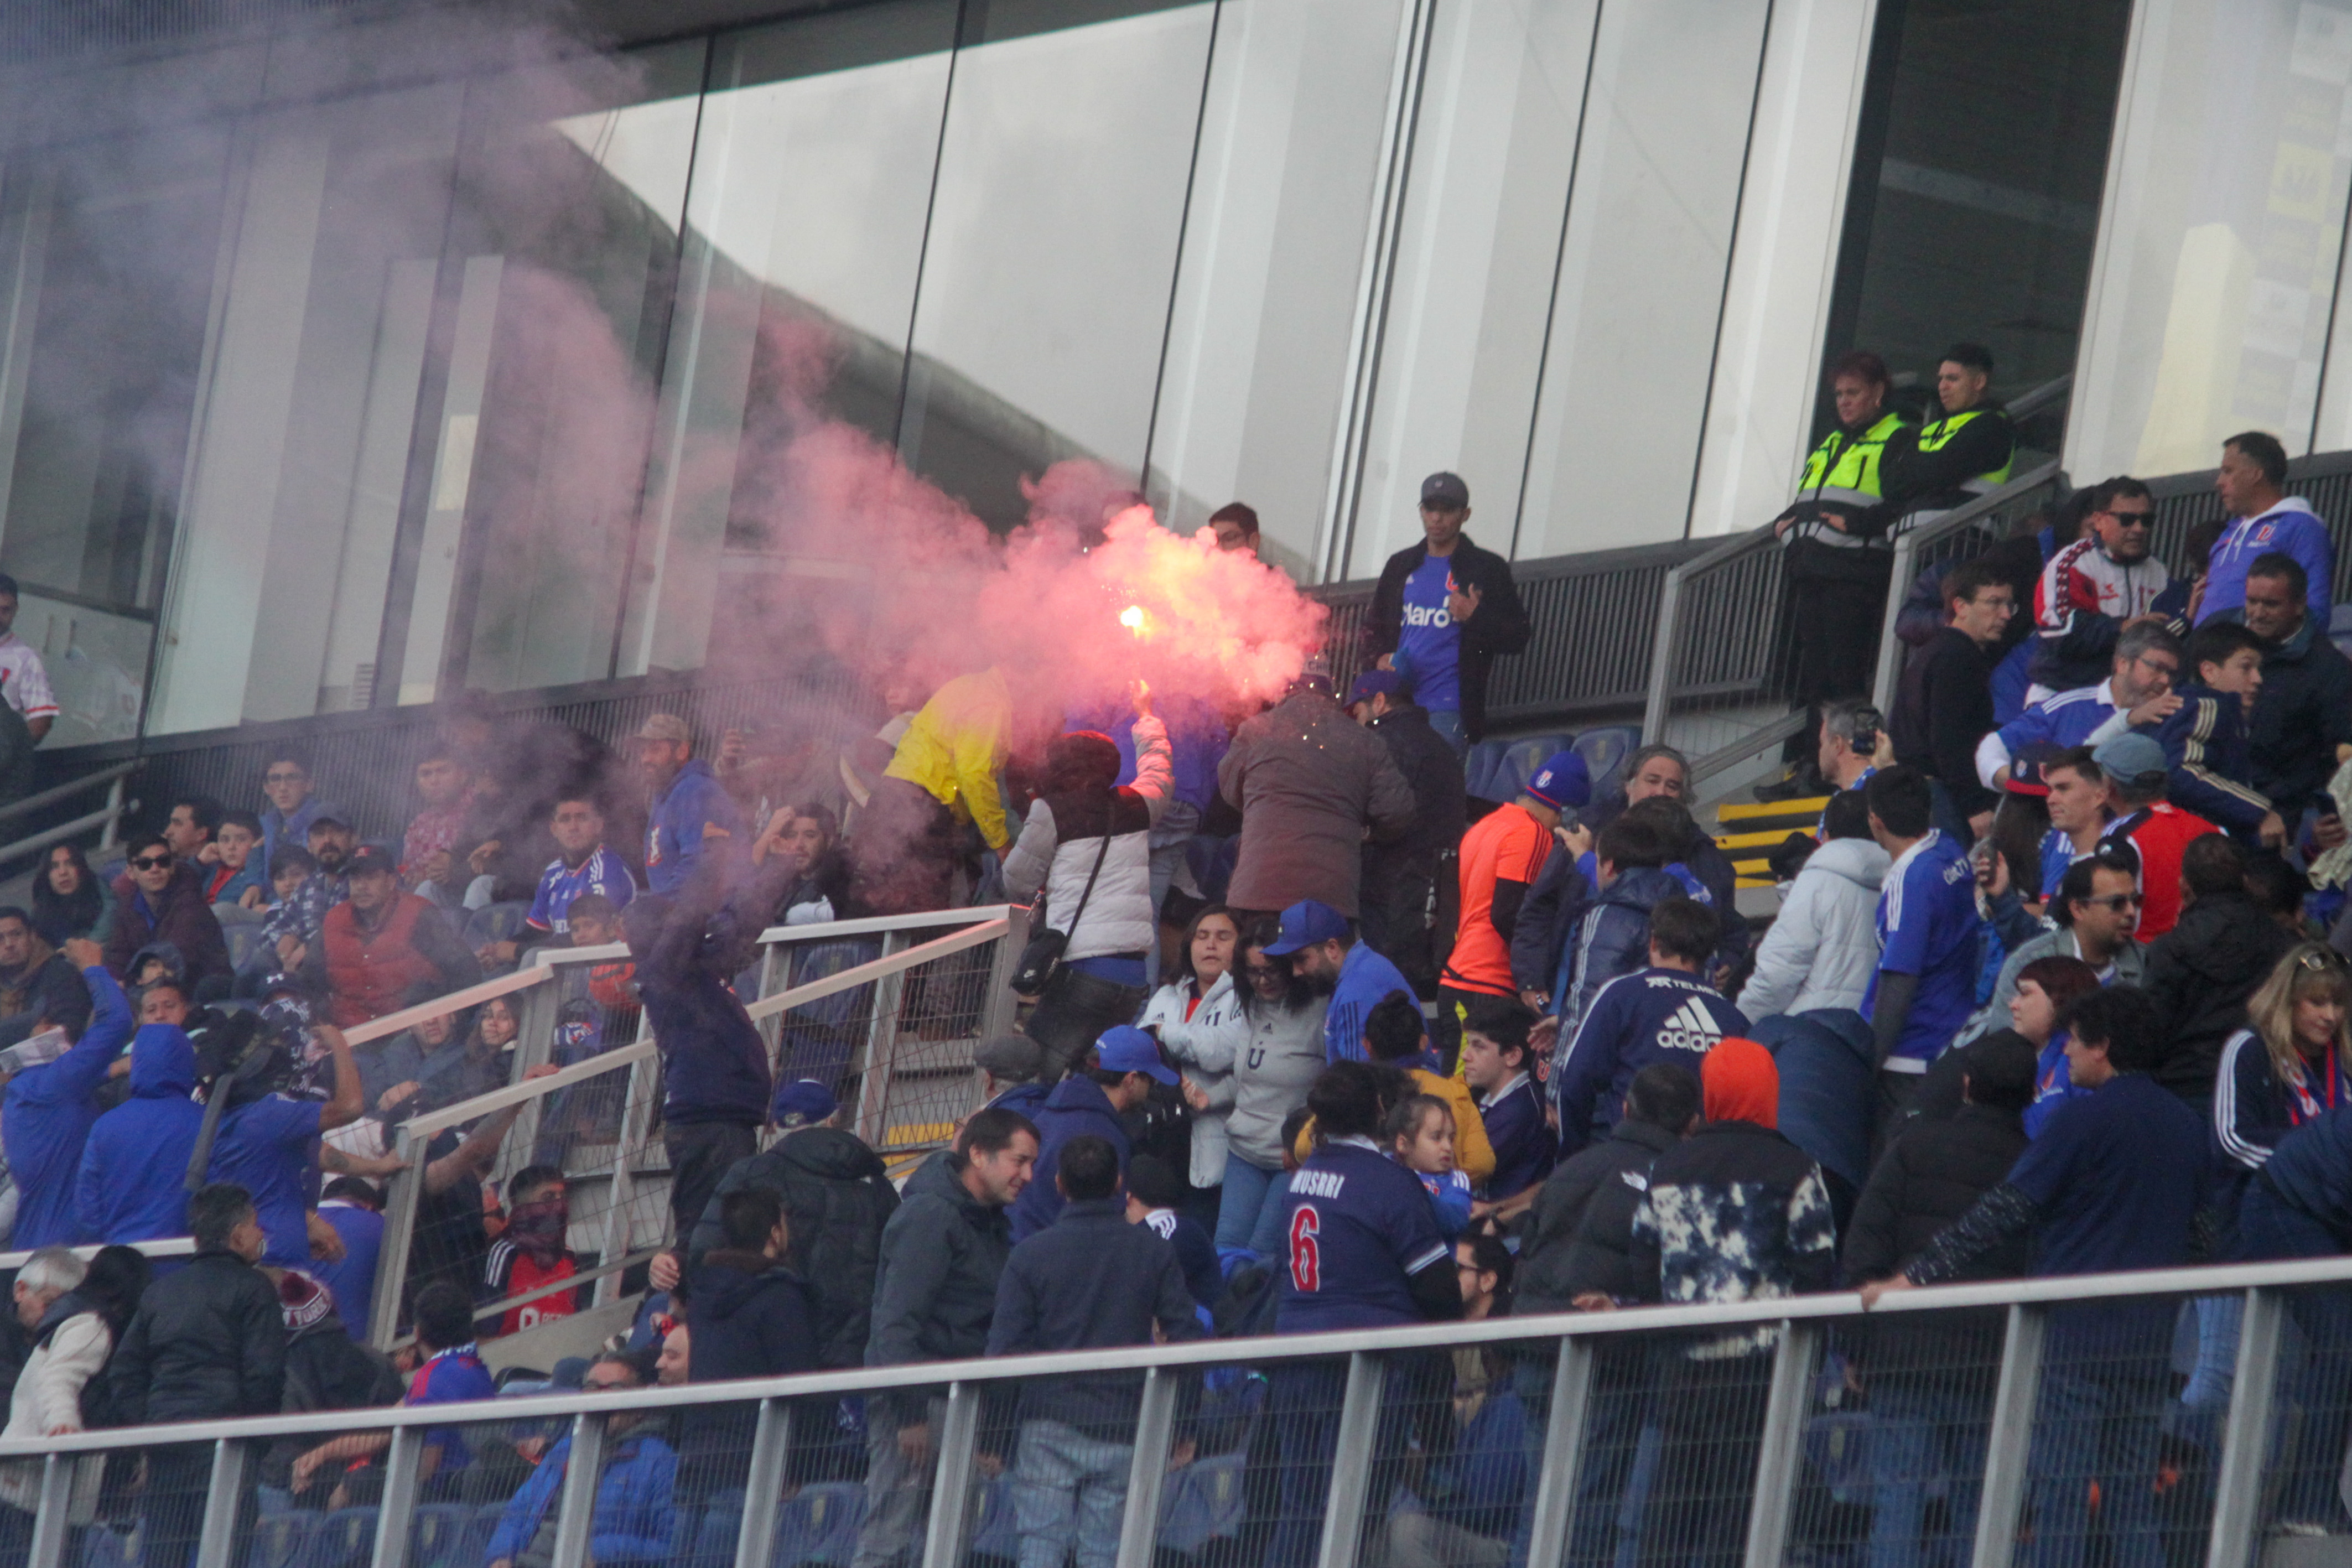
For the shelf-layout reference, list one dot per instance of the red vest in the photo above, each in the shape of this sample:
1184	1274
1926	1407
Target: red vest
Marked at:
368	973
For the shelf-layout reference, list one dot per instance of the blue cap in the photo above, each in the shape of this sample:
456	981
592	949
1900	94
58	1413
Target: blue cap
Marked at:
1563	783
1372	683
1126	1048
803	1102
2130	756
1303	925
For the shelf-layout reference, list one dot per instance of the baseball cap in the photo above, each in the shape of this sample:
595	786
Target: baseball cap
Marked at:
369	858
2024	775
1303	925
1563	783
327	819
1444	489
1126	1048
803	1102
1372	683
663	727
1011	1058
2130	756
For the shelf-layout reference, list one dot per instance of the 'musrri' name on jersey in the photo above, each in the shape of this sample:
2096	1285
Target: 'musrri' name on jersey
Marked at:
1356	1226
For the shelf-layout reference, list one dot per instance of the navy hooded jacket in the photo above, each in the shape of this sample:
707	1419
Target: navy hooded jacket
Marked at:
1077	1106
1610	939
46	1117
135	1169
688	951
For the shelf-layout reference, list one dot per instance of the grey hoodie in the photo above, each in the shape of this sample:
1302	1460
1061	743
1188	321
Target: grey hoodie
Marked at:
1270	1077
1823	948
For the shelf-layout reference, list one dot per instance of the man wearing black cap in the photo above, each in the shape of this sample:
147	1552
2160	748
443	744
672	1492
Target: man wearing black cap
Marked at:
1443	611
381	943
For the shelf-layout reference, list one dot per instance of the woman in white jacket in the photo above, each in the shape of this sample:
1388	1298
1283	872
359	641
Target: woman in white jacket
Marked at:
1199	1019
1823	948
1086	845
75	1314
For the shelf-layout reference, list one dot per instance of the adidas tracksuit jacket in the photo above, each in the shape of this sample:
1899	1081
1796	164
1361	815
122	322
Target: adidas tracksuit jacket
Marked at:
1649	1016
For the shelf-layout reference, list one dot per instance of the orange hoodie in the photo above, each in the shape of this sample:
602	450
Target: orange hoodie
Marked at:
1741	1083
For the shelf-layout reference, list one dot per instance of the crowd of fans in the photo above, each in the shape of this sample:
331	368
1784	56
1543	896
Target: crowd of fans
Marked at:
2049	993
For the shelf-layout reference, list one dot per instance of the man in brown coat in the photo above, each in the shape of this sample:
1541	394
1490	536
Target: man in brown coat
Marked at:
1309	783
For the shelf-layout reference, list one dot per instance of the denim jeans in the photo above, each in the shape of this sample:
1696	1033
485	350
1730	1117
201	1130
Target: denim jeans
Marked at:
2096	1421
1068	1488
1250	1214
1447	722
1923	1432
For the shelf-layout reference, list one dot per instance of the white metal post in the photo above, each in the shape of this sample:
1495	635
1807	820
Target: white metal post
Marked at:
2010	1440
1351	1461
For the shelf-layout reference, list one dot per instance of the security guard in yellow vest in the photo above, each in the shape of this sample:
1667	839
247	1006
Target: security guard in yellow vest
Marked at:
1966	451
1838	562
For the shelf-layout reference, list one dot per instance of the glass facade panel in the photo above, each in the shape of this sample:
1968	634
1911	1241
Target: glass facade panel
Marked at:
1282	194
1640	286
1053	244
805	236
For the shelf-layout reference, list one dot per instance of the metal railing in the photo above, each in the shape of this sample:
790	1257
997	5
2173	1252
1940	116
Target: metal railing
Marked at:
107	819
1724	645
2023	1413
887	1011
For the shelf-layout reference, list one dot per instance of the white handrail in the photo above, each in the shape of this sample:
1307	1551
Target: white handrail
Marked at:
531	1089
168	1247
392	1023
875	968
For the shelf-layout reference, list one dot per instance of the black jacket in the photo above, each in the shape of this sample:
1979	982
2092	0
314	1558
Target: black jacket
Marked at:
1911	480
1581	1234
935	1291
1400	874
1089	1280
1930	1175
47	987
1500	628
751	1316
1942	709
2302	714
2200	975
208	1343
838	1199
326	1370
1698	856
1735	1212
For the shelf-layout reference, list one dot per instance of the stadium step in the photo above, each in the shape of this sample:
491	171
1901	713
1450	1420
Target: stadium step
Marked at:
1747	831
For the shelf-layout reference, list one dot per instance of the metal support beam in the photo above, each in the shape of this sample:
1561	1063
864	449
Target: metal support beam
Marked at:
1562	1470
401	1198
2246	1436
1351	1461
402	1468
1662	657
216	1541
1777	1456
575	1515
2010	1443
1147	1474
638	1094
958	1438
763	1486
50	1518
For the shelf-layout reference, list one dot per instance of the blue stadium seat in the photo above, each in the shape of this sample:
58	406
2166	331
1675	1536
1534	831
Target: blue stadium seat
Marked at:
715	1533
1203	1501
1478	766
102	1547
819	1524
2340	628
440	1534
282	1540
996	1534
1604	748
478	1533
346	1538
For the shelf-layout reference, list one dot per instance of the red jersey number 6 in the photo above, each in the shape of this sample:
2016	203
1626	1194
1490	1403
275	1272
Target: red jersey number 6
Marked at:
1305	1257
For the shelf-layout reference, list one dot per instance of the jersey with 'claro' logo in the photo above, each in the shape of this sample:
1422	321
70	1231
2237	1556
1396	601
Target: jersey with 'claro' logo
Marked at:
1428	642
1649	1016
1356	1226
1927	927
601	872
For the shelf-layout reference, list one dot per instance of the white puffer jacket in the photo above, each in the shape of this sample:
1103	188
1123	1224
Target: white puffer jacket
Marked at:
47	1399
1206	1046
1060	856
1823	948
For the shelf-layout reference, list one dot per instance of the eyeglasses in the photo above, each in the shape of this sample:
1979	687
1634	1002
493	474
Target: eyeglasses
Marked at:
1260	970
2114	901
2134	519
2321	960
151	862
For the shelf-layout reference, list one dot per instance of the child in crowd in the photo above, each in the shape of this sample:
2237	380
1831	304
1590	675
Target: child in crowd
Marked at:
1154	1192
232	875
1420	1131
595	921
289	869
1497	1061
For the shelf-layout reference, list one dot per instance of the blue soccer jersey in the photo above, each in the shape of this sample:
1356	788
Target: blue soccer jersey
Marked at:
1649	1016
601	872
1357	1227
1927	926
